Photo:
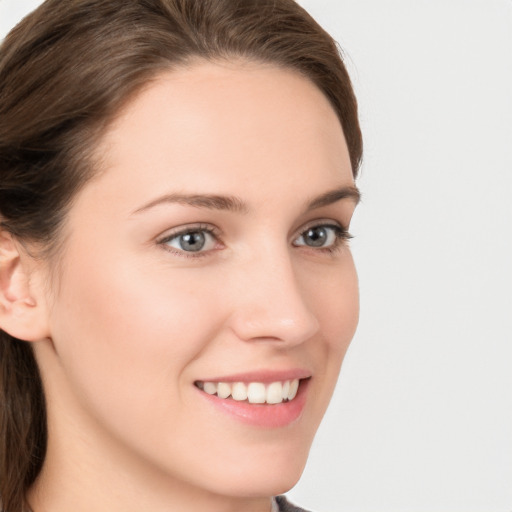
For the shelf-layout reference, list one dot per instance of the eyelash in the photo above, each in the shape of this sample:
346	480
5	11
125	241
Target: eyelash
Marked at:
199	228
341	234
341	237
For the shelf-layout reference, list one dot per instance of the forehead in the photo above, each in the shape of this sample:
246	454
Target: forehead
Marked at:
224	124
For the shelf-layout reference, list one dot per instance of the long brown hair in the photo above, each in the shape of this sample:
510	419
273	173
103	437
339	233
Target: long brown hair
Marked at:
65	71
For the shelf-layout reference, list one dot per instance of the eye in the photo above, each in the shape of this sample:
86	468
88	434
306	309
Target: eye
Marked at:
324	236
191	240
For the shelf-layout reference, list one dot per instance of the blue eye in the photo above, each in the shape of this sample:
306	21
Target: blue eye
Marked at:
322	237
192	240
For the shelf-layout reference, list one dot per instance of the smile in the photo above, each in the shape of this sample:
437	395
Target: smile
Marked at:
253	392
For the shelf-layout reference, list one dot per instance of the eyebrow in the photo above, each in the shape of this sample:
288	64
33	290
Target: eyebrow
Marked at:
235	204
333	196
208	201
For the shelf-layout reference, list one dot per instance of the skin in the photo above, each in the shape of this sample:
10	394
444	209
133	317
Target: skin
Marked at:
133	322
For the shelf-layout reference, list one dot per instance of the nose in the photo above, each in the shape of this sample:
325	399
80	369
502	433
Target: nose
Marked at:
269	303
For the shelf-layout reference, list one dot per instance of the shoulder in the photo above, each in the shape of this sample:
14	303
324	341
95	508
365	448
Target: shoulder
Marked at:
283	505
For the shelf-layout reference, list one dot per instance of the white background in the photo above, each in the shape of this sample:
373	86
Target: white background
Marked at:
422	418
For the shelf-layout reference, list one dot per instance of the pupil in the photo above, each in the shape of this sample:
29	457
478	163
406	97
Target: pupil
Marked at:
192	241
315	237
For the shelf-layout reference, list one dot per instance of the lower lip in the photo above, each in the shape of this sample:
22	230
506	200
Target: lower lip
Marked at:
263	415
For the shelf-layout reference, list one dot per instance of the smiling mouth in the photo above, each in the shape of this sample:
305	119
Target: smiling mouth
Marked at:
252	392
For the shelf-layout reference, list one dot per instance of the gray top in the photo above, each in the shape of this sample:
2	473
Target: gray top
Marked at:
283	505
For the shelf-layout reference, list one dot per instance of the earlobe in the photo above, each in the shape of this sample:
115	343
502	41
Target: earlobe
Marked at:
22	304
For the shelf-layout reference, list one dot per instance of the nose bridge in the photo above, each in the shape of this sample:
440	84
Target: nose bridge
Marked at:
270	304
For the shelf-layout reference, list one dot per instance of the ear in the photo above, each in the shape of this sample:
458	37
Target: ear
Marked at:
23	311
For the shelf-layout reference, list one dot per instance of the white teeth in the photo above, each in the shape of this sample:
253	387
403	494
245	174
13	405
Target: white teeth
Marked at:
239	391
286	390
294	386
256	393
253	392
223	390
275	393
210	388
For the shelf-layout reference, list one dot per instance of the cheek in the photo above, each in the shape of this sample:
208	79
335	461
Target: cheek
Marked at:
125	335
334	296
336	304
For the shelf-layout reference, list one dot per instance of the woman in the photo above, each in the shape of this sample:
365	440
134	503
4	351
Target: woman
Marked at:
177	292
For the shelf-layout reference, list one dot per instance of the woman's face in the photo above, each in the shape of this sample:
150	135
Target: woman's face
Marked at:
208	256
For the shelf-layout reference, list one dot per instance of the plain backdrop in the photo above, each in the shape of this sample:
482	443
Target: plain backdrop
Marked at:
422	418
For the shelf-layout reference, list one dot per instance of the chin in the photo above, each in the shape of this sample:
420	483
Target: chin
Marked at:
274	473
263	483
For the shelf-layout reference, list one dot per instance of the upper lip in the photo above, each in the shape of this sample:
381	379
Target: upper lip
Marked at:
264	376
